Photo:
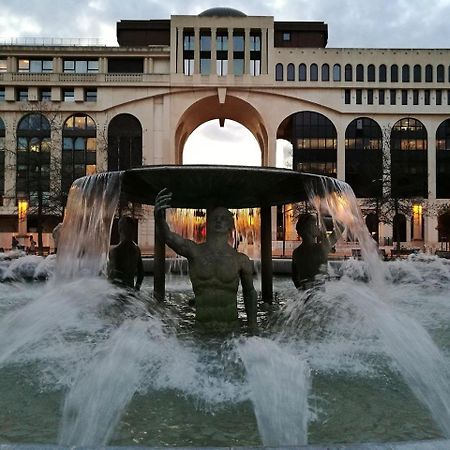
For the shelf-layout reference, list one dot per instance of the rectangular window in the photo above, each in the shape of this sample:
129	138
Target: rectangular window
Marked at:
347	96
35	65
2	94
3	65
238	43
222	42
90	95
238	66
448	96
22	95
45	95
404	96
393	94
381	99
370	96
255	43
415	97
438	97
255	67
427	97
205	43
205	66
222	67
286	36
188	42
188	67
80	66
69	95
358	96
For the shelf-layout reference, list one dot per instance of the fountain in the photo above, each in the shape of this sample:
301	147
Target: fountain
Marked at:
366	359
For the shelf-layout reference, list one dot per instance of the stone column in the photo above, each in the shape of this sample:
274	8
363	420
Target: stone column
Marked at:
196	50
230	52
264	69
180	48
340	156
247	51
213	51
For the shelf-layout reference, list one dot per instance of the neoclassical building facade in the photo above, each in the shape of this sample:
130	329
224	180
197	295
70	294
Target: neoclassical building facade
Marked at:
352	113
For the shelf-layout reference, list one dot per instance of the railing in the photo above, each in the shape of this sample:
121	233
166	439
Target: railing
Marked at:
53	41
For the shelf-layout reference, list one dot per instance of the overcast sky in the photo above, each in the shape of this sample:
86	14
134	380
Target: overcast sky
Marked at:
351	23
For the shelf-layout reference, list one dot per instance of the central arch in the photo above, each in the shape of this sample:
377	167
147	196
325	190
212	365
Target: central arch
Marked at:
210	108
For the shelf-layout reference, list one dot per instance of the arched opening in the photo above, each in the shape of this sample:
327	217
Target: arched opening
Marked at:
399	228
443	160
227	109
232	144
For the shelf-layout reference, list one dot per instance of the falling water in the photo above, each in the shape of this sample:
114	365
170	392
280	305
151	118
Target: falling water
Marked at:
279	386
415	355
85	235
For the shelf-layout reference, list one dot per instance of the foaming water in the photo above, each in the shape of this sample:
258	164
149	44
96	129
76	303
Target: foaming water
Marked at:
279	388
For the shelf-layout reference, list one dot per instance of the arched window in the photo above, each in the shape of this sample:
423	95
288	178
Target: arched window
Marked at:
363	157
302	72
325	72
443	160
405	73
290	72
382	73
394	73
79	149
33	159
124	143
370	72
417	73
399	228
359	72
428	73
313	72
314	141
409	159
440	73
279	72
348	72
337	72
2	160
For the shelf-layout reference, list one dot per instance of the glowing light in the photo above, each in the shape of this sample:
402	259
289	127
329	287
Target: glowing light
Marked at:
22	209
417	210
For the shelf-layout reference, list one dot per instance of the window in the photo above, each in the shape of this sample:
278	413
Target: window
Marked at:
22	95
2	94
279	72
381	97
290	72
80	66
313	72
440	76
35	65
337	72
438	97
358	96
238	52
302	72
325	72
45	94
428	73
222	67
382	73
427	95
286	36
222	56
3	65
188	42
392	94
405	73
255	54
90	95
371	72
347	96
359	72
394	73
404	96
78	149
417	73
255	43
69	95
415	97
205	53
348	72
188	68
370	96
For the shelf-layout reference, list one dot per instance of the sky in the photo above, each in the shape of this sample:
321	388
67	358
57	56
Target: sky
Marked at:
351	23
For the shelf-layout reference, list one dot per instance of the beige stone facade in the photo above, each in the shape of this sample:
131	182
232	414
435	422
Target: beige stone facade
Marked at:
170	104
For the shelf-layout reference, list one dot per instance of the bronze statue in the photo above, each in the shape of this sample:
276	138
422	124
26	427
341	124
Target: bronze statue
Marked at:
215	267
310	258
125	261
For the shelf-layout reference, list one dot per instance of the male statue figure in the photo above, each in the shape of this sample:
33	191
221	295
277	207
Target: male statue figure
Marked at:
309	259
125	262
215	267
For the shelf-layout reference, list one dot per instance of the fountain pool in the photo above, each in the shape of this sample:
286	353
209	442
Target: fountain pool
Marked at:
79	367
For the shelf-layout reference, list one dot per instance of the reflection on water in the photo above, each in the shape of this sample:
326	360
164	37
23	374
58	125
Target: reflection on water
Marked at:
81	366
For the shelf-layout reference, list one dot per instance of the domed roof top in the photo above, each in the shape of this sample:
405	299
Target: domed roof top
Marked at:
222	12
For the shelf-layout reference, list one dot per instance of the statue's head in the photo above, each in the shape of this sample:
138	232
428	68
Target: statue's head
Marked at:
307	226
126	227
219	220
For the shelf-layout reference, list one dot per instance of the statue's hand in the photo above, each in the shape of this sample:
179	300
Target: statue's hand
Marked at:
162	201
